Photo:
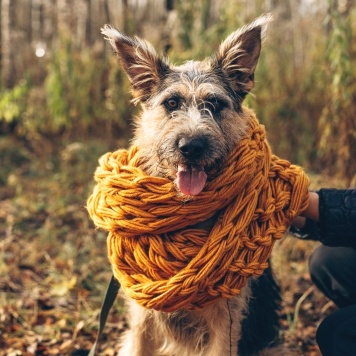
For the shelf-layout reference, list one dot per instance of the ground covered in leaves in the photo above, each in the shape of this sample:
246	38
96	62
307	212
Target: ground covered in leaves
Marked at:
53	265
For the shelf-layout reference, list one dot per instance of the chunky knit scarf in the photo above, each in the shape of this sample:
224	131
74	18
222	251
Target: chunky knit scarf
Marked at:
161	261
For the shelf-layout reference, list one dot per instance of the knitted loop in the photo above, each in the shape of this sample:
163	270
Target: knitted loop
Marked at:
165	267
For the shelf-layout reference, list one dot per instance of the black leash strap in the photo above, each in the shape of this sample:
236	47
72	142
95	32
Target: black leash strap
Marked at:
110	296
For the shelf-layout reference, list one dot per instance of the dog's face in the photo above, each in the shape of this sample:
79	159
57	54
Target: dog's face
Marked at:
192	114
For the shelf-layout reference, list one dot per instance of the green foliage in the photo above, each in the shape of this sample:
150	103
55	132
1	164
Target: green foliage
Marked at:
81	93
84	92
186	11
56	85
12	102
198	27
337	146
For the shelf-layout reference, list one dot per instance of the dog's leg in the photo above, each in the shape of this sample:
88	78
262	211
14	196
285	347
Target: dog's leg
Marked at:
260	329
224	320
138	340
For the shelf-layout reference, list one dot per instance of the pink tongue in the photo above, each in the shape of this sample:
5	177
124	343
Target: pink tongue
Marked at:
190	180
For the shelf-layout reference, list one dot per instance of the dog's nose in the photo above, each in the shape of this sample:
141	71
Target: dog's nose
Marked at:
191	147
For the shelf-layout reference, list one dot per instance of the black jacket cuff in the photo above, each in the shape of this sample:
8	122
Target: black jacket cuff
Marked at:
337	217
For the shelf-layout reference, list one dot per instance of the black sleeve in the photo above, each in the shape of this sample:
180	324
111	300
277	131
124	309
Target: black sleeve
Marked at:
337	217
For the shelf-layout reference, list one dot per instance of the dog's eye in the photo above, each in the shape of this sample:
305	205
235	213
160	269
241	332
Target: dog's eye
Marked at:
172	103
214	105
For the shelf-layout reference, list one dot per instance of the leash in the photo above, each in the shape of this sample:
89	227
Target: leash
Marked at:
110	296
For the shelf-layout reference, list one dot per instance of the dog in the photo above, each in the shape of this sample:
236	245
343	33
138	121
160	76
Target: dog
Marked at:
191	120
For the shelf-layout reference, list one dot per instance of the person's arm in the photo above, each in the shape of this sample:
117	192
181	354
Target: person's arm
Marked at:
312	211
329	218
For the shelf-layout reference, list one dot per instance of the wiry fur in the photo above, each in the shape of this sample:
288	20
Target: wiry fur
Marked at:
192	118
185	333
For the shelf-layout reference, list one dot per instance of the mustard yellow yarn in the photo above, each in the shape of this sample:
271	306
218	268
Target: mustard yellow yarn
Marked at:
166	266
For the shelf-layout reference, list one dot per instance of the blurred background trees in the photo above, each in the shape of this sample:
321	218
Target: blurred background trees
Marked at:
60	81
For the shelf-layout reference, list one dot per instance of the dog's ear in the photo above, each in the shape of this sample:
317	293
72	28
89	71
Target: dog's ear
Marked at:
140	61
238	55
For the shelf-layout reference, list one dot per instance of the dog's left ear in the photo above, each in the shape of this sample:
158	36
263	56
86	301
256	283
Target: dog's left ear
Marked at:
238	55
140	61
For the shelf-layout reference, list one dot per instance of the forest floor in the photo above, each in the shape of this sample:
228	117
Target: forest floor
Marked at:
53	265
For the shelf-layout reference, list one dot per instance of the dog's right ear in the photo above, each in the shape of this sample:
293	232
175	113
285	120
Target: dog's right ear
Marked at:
238	55
140	61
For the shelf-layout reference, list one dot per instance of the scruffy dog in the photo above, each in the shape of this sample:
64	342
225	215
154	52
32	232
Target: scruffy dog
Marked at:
192	119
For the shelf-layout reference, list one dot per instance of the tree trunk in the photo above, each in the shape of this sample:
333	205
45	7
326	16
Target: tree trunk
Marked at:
82	19
6	63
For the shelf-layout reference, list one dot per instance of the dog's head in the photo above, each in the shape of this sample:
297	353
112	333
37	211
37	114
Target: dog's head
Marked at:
192	114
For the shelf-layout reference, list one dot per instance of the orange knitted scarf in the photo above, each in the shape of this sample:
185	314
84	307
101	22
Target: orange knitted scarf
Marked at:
165	265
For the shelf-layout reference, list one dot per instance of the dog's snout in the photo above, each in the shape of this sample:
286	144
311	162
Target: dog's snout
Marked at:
191	147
